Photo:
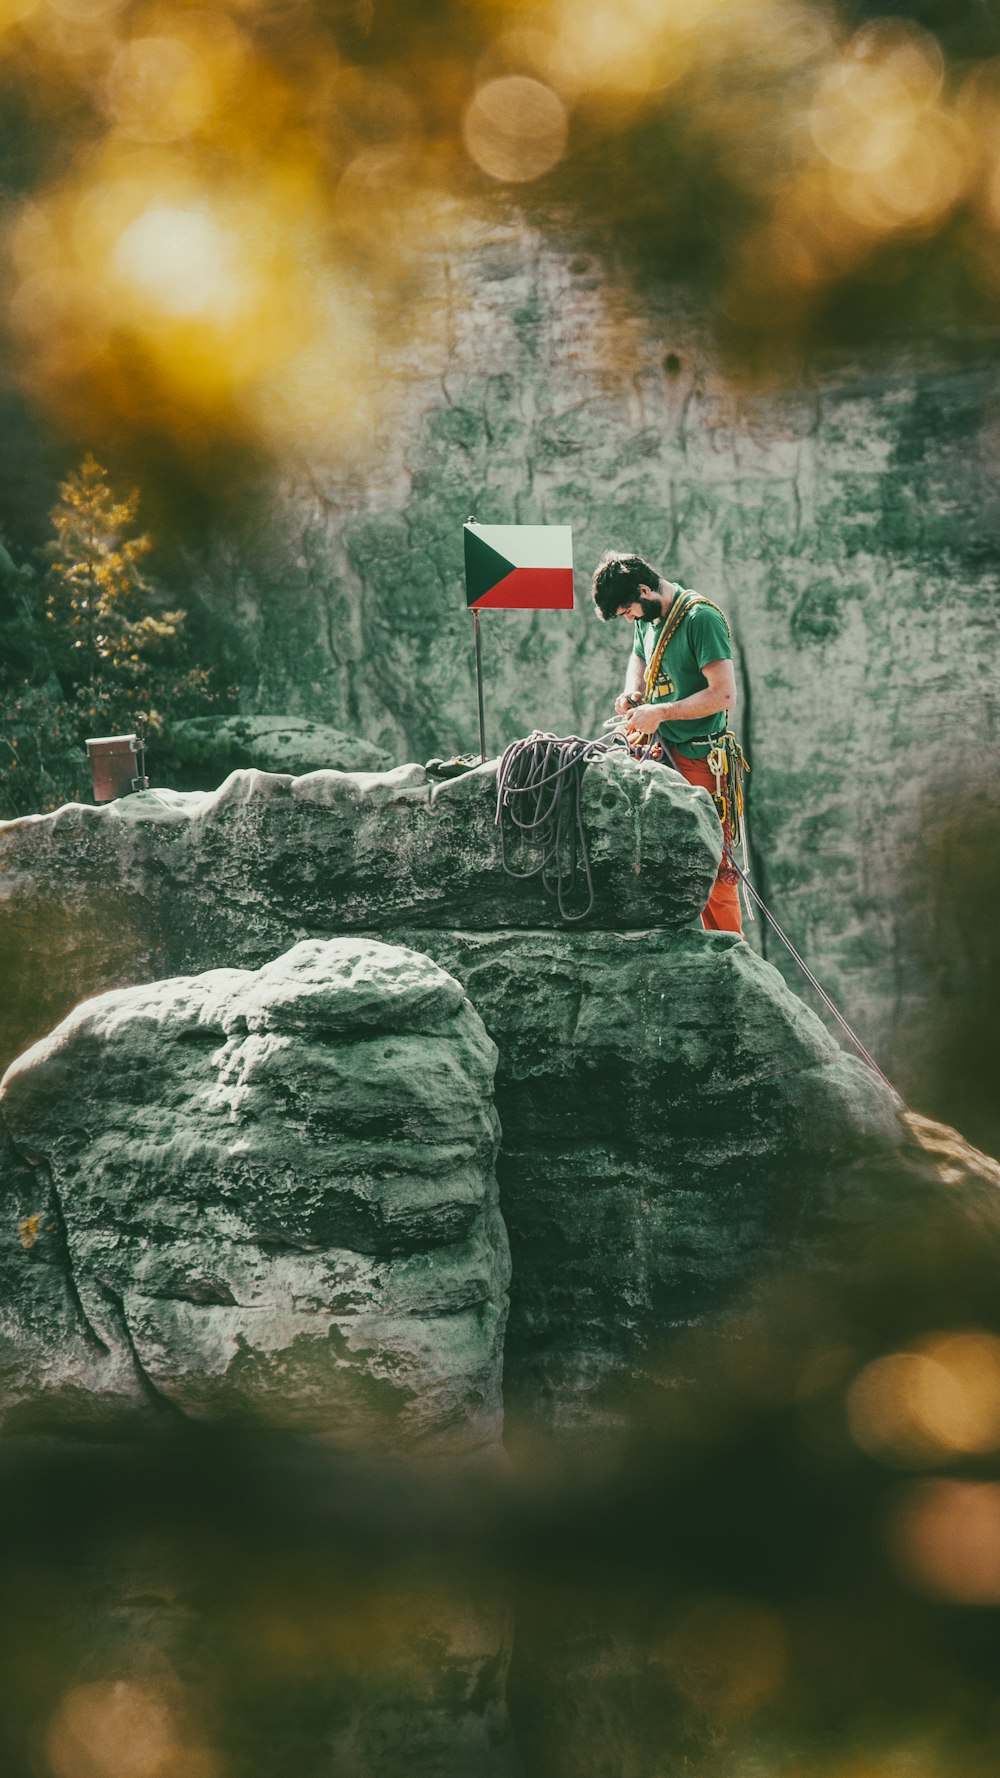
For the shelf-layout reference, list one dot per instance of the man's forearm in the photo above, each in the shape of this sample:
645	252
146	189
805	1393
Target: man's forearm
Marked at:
635	677
700	703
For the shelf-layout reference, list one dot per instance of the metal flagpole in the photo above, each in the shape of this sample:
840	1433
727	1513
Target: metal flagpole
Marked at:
514	568
479	688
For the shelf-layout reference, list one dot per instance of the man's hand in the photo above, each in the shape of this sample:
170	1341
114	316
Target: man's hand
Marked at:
623	703
645	717
718	693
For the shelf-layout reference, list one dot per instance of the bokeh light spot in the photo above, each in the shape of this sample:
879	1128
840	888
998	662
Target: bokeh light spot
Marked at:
516	128
159	89
727	1655
911	54
626	47
934	1404
873	102
176	259
946	1540
110	1730
862	119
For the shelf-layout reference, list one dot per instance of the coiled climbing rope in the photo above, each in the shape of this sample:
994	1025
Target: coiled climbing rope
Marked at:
539	795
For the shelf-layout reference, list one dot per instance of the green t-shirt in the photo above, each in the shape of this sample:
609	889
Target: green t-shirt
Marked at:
702	636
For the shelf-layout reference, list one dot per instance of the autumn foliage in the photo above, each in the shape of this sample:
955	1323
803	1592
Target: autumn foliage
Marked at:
92	646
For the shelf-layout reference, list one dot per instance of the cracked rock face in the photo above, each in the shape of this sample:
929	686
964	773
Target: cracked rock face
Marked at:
166	883
263	1194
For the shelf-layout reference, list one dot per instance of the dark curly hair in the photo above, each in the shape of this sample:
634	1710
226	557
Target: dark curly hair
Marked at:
617	579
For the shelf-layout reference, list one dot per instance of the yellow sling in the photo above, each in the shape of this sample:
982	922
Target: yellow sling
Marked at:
684	603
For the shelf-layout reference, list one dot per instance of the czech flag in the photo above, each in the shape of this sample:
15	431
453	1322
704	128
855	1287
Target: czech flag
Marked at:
519	567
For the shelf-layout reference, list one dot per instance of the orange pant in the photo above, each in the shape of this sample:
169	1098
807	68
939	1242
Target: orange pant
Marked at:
722	911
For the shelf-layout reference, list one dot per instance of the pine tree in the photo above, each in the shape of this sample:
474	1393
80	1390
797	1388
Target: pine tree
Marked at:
87	648
96	634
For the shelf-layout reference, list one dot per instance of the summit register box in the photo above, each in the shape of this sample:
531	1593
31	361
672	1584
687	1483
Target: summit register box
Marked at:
117	766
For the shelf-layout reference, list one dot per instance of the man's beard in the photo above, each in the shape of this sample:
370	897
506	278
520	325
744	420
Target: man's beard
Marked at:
651	609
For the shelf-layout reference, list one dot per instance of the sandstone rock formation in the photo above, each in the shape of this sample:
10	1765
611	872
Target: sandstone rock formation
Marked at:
676	1124
199	753
263	1195
163	883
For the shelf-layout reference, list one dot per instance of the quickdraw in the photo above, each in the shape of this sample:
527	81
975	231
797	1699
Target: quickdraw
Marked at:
728	765
727	762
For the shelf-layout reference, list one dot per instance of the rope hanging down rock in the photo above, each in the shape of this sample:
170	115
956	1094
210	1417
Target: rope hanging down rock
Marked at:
813	981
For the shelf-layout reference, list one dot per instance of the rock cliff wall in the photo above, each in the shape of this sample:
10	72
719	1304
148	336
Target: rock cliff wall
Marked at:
672	1119
848	523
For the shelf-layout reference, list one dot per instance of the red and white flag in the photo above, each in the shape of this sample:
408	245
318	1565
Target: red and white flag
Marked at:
519	567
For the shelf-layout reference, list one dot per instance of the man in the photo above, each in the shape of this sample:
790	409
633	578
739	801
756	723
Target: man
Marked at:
694	686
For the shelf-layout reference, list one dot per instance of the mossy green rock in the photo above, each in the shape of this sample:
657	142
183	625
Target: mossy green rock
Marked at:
268	1195
199	753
